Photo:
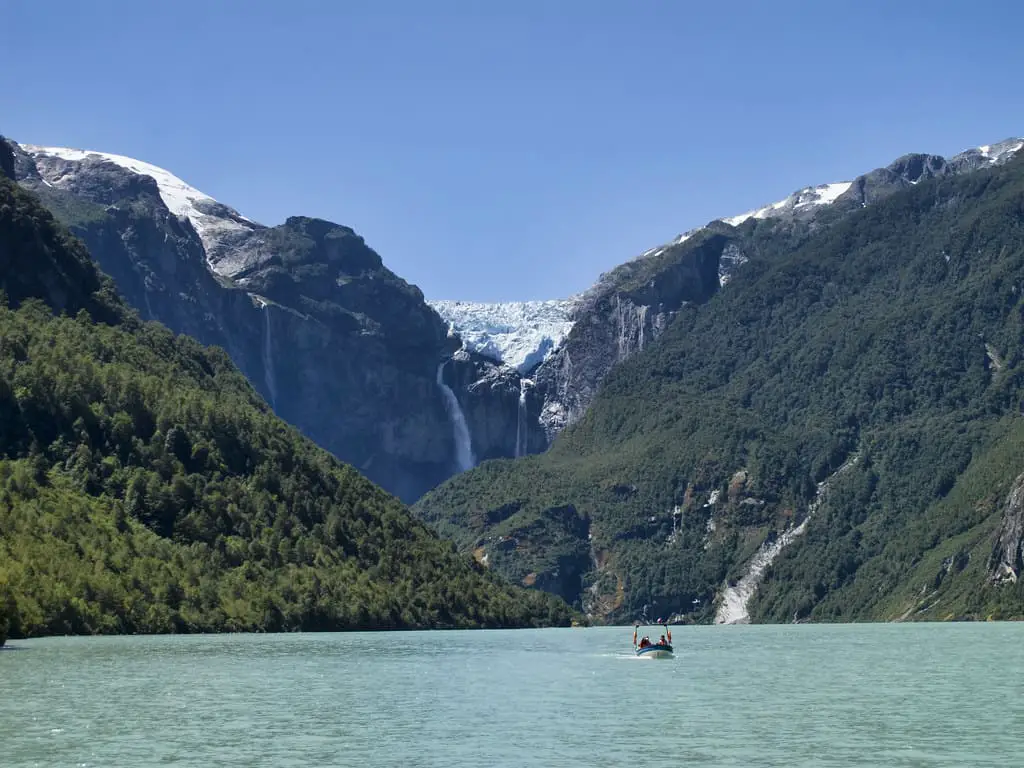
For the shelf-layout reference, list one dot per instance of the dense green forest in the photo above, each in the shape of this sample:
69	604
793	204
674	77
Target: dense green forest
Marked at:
145	487
894	332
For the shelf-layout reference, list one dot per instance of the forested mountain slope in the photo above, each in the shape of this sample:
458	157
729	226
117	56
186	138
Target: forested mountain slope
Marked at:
145	486
890	337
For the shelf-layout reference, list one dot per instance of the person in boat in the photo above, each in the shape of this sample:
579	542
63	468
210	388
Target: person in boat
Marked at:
644	642
662	641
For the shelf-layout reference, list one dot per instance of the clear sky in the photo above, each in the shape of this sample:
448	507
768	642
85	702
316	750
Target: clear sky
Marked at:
497	150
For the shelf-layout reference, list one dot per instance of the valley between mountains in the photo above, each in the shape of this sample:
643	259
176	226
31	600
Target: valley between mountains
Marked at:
810	411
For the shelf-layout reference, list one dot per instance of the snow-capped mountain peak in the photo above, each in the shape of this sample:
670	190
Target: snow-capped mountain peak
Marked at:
519	334
212	220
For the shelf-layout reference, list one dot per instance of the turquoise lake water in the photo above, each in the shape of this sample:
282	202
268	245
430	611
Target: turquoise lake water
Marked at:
878	695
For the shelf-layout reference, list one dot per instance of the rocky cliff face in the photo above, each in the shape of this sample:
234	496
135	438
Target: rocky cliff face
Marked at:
502	407
627	310
156	259
336	343
911	169
521	385
39	262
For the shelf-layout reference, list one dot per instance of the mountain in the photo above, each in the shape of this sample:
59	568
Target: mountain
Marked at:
815	413
146	487
630	306
339	345
314	319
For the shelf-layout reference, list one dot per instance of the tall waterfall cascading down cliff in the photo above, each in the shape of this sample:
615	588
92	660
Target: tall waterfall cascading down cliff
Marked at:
522	427
268	357
460	430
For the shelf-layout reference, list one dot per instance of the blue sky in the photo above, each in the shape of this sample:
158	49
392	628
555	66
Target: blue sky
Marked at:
511	150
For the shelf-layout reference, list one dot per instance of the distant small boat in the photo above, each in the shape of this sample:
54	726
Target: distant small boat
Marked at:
645	649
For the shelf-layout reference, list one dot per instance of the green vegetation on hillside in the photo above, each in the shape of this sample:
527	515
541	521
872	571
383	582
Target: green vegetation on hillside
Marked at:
896	331
144	487
934	566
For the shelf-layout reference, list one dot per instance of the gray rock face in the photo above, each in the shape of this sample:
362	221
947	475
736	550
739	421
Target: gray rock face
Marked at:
912	169
336	343
1007	562
904	172
502	408
627	310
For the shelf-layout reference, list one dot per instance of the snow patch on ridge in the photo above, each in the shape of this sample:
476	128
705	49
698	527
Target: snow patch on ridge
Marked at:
996	154
823	194
519	334
181	199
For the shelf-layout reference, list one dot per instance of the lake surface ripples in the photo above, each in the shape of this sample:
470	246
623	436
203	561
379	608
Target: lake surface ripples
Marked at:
808	695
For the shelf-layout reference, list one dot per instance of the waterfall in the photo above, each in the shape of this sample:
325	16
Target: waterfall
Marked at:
460	430
521	433
150	314
733	606
632	321
268	359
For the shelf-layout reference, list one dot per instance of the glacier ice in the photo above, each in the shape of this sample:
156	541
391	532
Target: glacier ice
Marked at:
519	334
